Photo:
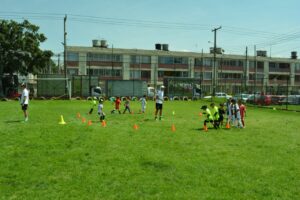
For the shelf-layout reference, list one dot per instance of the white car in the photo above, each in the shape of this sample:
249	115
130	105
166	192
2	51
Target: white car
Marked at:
219	95
243	97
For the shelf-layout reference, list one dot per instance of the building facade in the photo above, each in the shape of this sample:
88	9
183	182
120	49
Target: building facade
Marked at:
233	73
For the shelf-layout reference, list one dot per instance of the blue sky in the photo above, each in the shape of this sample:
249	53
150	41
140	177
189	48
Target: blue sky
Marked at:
185	25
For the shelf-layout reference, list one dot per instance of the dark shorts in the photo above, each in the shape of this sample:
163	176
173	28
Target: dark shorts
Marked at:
159	106
24	107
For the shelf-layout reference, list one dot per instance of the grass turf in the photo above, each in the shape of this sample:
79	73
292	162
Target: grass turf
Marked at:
41	159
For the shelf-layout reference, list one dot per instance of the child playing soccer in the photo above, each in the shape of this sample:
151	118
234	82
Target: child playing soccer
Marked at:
209	117
215	115
236	114
127	106
242	111
93	104
100	110
143	102
117	105
221	114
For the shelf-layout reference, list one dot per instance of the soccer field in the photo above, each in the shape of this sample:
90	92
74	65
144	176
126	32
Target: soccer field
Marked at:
41	159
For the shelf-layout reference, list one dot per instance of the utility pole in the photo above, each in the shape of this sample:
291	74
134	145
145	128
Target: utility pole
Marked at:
214	66
65	53
245	69
255	70
58	62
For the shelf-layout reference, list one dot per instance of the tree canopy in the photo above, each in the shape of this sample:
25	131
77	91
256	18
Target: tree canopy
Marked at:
20	49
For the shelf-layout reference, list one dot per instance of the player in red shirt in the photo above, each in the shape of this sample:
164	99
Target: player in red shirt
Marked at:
117	105
242	111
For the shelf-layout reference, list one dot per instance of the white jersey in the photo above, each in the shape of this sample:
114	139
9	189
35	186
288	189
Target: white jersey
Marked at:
143	101
25	97
100	109
160	97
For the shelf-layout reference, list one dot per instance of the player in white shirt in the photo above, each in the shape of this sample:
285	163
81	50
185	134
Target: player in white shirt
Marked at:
24	101
100	110
144	103
159	102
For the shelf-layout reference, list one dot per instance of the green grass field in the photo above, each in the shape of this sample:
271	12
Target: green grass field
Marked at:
41	159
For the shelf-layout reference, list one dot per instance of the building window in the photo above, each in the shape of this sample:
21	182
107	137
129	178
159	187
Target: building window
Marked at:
173	74
105	72
207	76
258	76
165	60
207	62
230	76
198	61
180	60
146	74
140	59
260	65
104	57
251	64
71	56
135	74
72	71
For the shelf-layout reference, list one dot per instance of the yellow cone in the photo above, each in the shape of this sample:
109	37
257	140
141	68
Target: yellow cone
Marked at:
62	121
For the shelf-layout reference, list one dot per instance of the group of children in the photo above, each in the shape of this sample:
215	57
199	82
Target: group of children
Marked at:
117	103
235	111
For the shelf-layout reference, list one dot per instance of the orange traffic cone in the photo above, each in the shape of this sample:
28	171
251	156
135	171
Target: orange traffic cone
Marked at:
205	128
135	127
83	120
227	125
103	123
62	121
173	128
89	122
78	115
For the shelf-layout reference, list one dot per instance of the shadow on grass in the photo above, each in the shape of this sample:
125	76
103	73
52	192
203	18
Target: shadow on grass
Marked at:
13	121
155	165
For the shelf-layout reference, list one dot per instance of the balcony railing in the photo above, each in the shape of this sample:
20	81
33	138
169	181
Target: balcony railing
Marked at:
142	66
279	70
297	71
173	66
72	63
231	68
279	82
103	63
251	69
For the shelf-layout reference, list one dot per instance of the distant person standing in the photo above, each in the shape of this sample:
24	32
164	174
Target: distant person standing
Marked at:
242	111
24	101
159	102
143	103
236	114
127	106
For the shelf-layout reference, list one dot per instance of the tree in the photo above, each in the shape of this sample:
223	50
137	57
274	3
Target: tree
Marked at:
19	49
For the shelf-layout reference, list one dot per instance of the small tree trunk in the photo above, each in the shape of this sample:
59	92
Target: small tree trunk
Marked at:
1	77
